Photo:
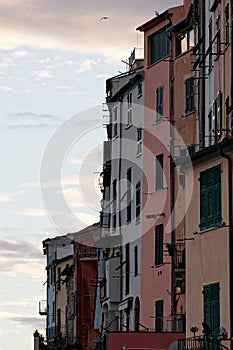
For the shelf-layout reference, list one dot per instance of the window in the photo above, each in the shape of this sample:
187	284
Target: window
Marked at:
114	220
210	126
129	179
139	141
219	114
218	35
159	104
212	308
115	129
54	312
210	44
227	25
159	245
189	87
159	316
52	275
216	122
58	321
139	89
159	46
59	278
136	260
114	189
127	267
159	172
130	110
138	200
184	41
210	198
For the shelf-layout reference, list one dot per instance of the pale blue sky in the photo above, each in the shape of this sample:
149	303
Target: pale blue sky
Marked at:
54	59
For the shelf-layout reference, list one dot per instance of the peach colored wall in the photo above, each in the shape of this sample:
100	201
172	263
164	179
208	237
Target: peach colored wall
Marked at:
155	282
207	255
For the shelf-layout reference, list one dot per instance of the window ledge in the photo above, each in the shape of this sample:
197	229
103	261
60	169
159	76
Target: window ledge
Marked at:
187	114
128	126
211	229
137	221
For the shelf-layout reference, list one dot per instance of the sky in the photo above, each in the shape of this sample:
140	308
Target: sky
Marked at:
54	59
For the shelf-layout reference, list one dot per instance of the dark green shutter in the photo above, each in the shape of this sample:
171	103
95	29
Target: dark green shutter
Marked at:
212	311
159	316
210	198
159	172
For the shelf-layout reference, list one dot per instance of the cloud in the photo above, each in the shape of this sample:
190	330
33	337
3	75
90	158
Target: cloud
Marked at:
22	302
72	93
10	89
5	88
31	321
10	197
74	25
32	212
21	257
32	120
85	66
15	248
20	53
42	74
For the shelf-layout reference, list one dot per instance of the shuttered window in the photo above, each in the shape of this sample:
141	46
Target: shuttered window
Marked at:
159	315
159	46
159	104
159	172
159	245
212	309
210	198
189	86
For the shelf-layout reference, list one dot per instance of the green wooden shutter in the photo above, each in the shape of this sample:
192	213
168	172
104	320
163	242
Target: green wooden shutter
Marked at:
210	198
207	304
203	201
159	172
212	311
217	195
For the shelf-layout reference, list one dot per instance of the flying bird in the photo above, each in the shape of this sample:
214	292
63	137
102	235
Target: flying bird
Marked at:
104	18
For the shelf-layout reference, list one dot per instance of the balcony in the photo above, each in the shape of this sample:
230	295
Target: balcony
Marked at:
194	343
179	256
173	323
43	307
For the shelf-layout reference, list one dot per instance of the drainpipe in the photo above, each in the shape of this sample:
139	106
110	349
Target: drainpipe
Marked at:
172	171
229	159
202	79
231	40
119	201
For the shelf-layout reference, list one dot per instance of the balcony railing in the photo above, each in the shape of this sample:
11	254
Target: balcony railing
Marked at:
194	343
179	256
174	323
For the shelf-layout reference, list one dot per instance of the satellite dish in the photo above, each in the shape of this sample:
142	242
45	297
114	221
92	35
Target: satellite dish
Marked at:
174	345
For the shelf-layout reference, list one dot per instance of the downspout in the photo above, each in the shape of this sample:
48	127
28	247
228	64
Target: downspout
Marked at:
202	79
119	201
231	40
172	170
229	159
